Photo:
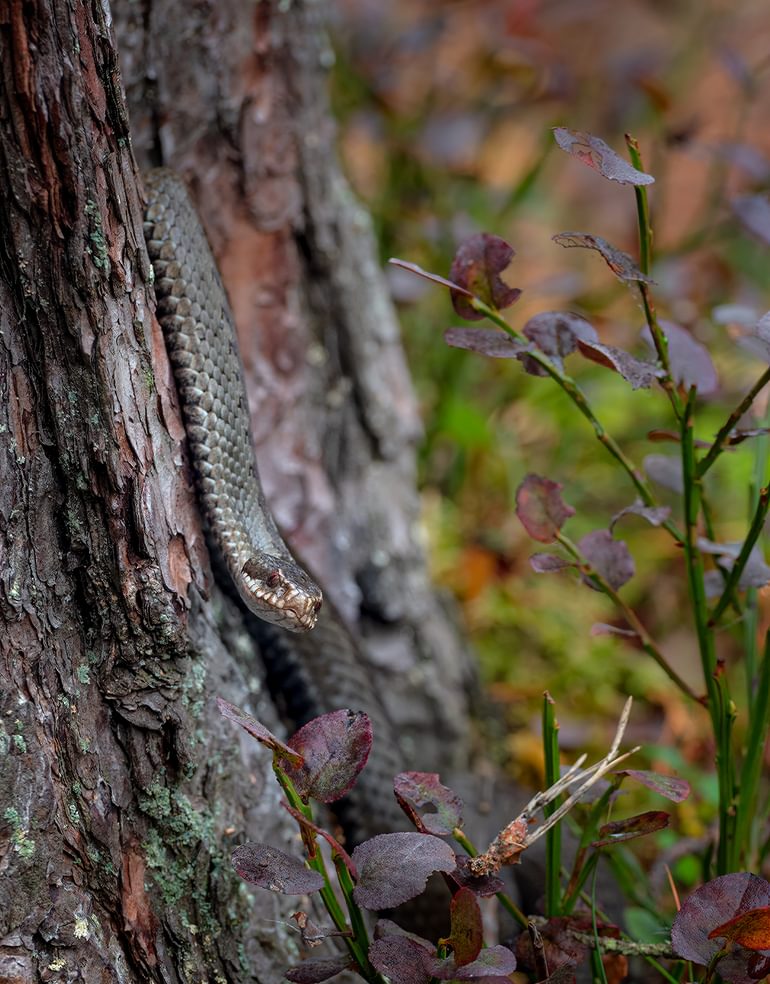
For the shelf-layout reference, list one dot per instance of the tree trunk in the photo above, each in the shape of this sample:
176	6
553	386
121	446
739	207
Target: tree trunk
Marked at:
122	791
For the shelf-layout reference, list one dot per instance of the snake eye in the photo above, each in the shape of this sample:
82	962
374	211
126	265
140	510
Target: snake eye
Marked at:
273	579
317	607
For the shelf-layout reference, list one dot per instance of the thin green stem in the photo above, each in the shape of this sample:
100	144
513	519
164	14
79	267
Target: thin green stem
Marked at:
733	578
748	787
724	432
645	639
642	208
598	963
577	396
505	900
719	704
553	836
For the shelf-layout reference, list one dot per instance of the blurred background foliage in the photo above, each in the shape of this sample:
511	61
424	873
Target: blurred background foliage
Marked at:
445	112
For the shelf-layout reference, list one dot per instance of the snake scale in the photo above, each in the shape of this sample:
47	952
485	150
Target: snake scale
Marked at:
312	661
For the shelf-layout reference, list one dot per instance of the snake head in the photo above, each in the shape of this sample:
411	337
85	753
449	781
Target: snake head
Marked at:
279	591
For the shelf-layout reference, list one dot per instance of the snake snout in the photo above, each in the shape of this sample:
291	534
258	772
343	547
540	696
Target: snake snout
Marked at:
279	591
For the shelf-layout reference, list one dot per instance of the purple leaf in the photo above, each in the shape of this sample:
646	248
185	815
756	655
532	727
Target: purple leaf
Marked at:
608	557
709	907
619	262
481	885
545	563
541	508
433	277
655	515
258	731
641	375
690	361
674	789
618	831
562	975
757	340
753	211
270	868
664	470
416	791
494	961
755	574
486	341
466	934
315	971
594	152
476	268
401	959
393	868
334	748
556	334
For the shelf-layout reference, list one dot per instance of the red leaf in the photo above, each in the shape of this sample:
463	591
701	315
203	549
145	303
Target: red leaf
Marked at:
433	277
641	375
594	152
639	826
711	906
619	262
544	563
259	731
674	789
334	749
665	470
401	959
556	334
315	971
541	509
482	885
691	363
487	341
394	868
476	268
466	934
431	805
750	929
655	515
270	868
754	213
608	557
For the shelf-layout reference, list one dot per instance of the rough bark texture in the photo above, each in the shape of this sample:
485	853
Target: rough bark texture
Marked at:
121	790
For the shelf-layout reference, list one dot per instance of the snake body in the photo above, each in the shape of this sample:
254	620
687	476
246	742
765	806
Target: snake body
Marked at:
310	672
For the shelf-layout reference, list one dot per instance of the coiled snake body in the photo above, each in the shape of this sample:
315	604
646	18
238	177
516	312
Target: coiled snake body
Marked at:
312	673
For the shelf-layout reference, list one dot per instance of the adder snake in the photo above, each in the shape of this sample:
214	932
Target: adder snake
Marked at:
316	668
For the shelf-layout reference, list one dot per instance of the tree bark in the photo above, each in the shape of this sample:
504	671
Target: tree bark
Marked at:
122	792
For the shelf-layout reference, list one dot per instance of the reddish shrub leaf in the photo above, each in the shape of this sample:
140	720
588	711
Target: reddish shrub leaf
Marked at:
625	830
755	574
481	885
393	868
433	277
619	262
655	515
556	334
560	948
487	341
751	929
492	962
466	934
544	563
641	375
691	363
476	268
594	152
334	749
270	868
315	971
258	731
541	509
664	470
757	340
711	906
436	807
401	959
674	789
608	557
753	211
564	975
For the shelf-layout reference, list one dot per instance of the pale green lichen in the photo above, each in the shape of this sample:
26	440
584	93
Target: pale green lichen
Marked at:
23	844
97	249
83	674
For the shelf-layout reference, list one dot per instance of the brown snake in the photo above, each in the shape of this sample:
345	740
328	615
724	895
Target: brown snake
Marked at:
311	673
